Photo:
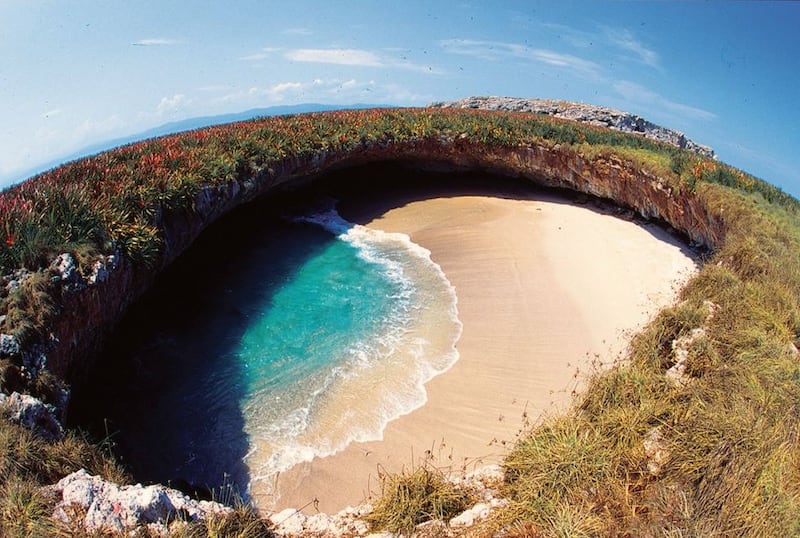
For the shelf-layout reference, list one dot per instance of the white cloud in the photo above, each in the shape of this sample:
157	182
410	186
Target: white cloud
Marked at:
298	31
90	130
356	57
495	50
155	42
625	40
263	54
258	56
170	105
282	88
335	56
275	93
638	94
557	59
325	90
572	36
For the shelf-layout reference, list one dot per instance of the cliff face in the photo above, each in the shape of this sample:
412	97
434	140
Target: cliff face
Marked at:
90	309
591	114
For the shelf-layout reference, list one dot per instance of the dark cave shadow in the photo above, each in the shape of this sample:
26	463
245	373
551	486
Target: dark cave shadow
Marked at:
167	387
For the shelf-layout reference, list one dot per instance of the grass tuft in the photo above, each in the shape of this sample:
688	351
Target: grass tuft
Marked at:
243	522
24	512
408	499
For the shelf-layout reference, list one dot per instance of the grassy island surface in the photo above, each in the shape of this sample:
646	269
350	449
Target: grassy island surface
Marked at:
695	434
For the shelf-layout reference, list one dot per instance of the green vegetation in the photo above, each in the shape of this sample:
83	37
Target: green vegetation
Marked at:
711	453
409	499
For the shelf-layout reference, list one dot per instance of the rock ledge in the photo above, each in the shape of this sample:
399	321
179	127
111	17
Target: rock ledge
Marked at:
583	113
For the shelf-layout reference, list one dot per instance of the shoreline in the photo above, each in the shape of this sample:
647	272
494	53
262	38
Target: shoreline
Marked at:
526	278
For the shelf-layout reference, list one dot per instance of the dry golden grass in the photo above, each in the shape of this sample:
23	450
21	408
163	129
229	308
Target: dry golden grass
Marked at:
729	431
410	498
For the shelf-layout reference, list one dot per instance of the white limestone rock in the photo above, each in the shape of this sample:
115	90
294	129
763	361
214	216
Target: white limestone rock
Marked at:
66	271
108	507
584	113
289	522
35	415
655	450
321	524
102	268
8	345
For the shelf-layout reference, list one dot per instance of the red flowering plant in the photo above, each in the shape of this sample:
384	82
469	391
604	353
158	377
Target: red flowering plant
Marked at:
115	200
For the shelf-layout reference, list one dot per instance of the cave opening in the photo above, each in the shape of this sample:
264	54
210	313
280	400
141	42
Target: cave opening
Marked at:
185	330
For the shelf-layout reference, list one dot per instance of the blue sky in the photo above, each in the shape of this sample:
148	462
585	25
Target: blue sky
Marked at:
78	72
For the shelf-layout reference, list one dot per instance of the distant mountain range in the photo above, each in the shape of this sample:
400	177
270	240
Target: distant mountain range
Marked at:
180	126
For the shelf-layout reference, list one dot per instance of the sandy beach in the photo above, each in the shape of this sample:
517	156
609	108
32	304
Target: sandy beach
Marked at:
547	289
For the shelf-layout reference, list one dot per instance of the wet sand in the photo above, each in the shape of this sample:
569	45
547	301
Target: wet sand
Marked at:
547	291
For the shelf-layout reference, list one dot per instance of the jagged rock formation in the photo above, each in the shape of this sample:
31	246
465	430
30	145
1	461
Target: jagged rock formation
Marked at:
95	505
34	414
99	506
591	114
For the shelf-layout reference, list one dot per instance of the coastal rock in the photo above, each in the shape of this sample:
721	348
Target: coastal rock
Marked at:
583	113
35	415
102	268
655	450
680	349
8	345
432	529
289	522
34	361
320	524
15	280
66	271
103	506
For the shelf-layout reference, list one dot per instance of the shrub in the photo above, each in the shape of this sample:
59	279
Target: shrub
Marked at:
408	499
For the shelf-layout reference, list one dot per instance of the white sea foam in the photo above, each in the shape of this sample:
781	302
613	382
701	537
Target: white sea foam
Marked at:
380	379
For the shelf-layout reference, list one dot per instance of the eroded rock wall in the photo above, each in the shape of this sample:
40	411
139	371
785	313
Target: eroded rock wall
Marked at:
92	308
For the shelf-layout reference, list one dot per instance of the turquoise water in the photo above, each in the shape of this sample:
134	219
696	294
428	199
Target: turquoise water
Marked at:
290	342
383	321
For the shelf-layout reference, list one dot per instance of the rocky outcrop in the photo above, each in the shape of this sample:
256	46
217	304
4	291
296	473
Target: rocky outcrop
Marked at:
98	506
33	414
683	348
591	114
89	503
8	346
